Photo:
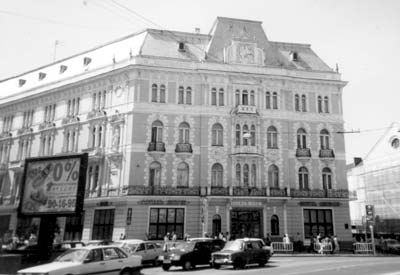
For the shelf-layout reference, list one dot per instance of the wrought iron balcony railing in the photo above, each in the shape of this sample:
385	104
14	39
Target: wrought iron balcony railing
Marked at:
303	153
277	192
183	148
163	190
156	147
249	191
326	153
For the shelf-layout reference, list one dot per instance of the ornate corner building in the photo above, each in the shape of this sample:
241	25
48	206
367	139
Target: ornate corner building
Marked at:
186	133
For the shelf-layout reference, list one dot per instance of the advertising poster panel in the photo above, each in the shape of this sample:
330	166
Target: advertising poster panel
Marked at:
53	185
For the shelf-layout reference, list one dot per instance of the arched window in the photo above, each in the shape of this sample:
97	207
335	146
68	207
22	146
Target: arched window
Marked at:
245	97
162	93
319	104
184	131
297	103
155	174
246	135
253	135
216	225
326	104
326	178
238	175
99	135
189	95
221	97
154	91
237	97
268	100
303	178
273	176
183	175
272	137
217	134
157	131
237	135
246	175
301	138
253	175
303	103
252	98
324	139
214	97
216	175
274	225
181	95
275	100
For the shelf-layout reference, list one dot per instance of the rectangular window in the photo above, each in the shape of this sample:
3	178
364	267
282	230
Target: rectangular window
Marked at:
129	216
163	220
214	98
73	228
103	224
318	221
221	98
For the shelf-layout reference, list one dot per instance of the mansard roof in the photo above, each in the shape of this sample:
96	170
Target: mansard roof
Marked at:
230	40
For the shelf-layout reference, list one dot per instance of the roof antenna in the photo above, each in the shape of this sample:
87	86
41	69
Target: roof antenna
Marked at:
337	68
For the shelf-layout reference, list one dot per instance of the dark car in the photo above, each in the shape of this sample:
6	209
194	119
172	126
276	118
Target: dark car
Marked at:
242	252
191	253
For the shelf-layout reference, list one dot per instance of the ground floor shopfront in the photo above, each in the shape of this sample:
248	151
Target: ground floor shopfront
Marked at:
152	217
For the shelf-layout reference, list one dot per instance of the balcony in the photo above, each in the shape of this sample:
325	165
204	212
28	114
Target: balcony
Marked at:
219	191
246	150
303	153
70	119
321	193
96	113
183	148
24	131
94	152
16	165
103	192
5	135
249	192
156	147
339	193
277	192
163	190
46	125
246	109
326	154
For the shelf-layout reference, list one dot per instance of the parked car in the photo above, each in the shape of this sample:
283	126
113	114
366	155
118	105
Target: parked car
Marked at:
191	253
60	248
389	246
90	259
242	252
99	242
149	250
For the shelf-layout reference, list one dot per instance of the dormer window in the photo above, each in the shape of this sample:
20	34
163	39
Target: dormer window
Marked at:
86	61
63	68
21	82
181	47
294	56
42	76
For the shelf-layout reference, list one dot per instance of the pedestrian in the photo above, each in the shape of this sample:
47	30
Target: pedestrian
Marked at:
336	244
311	248
174	236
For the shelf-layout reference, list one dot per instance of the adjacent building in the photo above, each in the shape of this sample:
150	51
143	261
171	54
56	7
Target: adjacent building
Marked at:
376	180
188	133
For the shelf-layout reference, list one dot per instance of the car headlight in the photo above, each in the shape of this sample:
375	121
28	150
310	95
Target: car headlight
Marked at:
175	257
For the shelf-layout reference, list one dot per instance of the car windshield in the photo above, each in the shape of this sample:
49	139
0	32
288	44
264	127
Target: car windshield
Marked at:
74	255
234	245
184	246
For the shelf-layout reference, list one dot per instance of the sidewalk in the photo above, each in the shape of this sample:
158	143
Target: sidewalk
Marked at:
341	254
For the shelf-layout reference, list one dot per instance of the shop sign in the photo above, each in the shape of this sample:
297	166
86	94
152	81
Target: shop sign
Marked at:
247	203
322	203
162	202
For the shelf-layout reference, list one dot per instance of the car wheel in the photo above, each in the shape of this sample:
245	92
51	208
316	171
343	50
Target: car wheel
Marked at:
126	272
166	267
187	265
217	266
261	264
239	264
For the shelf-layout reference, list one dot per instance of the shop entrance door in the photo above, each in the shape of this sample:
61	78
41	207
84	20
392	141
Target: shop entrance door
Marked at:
246	223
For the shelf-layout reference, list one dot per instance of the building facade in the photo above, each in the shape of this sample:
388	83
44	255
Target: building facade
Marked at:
375	178
186	133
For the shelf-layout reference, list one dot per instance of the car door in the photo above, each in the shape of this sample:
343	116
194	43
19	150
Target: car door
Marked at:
93	263
141	250
113	261
151	251
202	253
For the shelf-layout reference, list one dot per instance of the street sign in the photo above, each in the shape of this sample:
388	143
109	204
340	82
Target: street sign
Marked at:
369	212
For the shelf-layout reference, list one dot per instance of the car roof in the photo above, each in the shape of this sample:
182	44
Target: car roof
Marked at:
94	247
248	239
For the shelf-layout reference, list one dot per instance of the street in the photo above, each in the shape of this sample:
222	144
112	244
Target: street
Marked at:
303	265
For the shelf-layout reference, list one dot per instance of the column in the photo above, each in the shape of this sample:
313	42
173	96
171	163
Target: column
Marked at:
265	221
228	221
285	218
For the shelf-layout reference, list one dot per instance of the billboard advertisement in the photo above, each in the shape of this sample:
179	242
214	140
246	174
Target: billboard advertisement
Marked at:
53	185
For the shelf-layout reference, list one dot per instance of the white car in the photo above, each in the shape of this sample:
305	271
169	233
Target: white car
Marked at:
90	260
149	250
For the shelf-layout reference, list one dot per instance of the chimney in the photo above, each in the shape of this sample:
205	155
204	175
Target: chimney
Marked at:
197	30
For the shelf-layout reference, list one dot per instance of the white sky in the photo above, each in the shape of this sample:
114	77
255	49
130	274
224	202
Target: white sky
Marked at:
362	36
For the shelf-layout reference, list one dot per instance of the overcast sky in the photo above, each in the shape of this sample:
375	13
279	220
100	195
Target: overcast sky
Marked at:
362	36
